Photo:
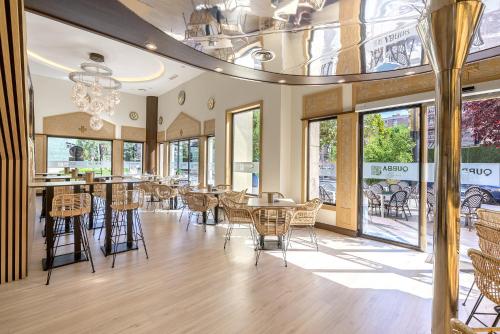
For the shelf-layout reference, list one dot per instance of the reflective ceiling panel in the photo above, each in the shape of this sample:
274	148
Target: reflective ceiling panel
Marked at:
306	37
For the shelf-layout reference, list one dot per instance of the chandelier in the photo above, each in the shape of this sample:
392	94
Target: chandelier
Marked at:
95	90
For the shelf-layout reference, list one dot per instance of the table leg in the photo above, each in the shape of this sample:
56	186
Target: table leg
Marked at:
77	247
205	217
107	219
49	223
130	221
91	213
216	210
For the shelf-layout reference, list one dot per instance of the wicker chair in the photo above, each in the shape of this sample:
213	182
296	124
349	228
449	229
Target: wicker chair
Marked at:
183	191
237	214
73	207
489	217
458	327
235	196
487	196
199	203
487	279
223	187
377	188
165	193
325	195
403	184
128	200
431	203
373	201
275	194
469	206
272	222
397	202
305	217
394	188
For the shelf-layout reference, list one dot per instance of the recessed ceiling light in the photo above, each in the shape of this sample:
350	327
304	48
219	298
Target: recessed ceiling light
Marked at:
151	46
340	80
263	55
218	69
282	81
410	73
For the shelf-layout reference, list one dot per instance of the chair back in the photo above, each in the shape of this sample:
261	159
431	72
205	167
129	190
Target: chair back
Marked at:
458	327
197	202
486	274
264	194
236	196
377	188
399	198
471	203
272	221
128	200
163	191
487	197
394	188
489	239
237	213
431	199
372	197
63	190
305	214
490	217
325	195
403	184
70	205
223	187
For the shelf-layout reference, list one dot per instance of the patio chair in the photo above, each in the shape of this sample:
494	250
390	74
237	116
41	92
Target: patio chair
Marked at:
403	184
237	214
165	193
487	196
458	327
395	187
236	196
431	203
373	201
377	188
305	217
199	203
397	202
183	191
325	195
487	279
469	206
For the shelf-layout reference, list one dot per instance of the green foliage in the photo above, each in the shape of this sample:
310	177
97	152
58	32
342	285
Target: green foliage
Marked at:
95	150
328	138
478	154
386	144
132	152
256	135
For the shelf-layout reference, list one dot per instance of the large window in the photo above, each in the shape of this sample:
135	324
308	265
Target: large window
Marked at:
246	149
322	182
184	159
132	158
84	154
161	158
211	160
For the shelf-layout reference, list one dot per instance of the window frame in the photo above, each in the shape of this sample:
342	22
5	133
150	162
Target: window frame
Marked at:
206	159
228	177
177	141
123	155
308	156
75	137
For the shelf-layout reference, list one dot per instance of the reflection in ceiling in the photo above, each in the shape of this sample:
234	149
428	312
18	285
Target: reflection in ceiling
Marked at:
306	37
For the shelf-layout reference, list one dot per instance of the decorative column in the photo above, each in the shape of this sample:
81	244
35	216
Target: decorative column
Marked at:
151	134
446	30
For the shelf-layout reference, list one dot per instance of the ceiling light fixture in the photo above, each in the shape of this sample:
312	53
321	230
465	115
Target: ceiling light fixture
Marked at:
340	81
95	90
151	46
410	73
218	69
282	81
263	55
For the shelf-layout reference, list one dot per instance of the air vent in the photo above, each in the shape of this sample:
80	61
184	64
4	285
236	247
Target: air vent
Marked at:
468	89
173	77
263	55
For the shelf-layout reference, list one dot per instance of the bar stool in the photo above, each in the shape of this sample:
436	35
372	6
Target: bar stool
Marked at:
99	198
69	208
117	188
123	202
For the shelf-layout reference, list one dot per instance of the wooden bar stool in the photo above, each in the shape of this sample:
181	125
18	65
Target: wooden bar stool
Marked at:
70	208
125	202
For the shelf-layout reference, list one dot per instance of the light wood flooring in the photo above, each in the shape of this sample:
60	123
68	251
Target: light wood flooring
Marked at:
191	285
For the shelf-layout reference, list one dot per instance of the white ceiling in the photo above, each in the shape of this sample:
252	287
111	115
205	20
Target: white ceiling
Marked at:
55	48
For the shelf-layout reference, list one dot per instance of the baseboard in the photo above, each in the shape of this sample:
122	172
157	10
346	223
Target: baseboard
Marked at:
336	229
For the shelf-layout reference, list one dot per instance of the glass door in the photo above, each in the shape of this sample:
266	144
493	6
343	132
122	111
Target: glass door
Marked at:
390	175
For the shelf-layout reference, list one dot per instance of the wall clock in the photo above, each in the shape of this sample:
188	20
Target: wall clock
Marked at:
181	98
160	120
211	103
133	116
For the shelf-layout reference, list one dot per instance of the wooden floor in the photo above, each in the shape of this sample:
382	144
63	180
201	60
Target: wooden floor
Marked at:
191	285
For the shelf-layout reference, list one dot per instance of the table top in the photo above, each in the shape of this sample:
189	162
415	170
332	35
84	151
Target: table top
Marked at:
81	183
258	202
65	177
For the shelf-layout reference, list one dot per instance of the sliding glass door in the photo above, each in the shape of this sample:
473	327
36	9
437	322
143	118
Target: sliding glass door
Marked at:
132	158
390	175
184	159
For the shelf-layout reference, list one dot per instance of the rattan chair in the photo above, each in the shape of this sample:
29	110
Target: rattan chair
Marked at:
377	188
487	196
487	279
395	187
183	191
373	201
237	214
235	196
469	206
397	202
431	203
165	193
123	202
403	184
223	187
458	327
199	203
305	217
275	194
489	217
72	208
272	222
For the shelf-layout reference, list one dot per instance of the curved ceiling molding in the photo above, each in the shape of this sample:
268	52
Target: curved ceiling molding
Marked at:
315	42
64	68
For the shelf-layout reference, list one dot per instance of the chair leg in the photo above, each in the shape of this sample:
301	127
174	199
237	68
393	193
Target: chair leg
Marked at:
141	234
468	293
313	230
497	309
189	220
290	229
474	309
257	255
86	246
116	237
227	237
283	250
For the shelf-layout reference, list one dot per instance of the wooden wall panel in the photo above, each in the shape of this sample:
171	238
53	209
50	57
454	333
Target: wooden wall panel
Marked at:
347	167
14	144
117	168
133	133
150	153
209	127
324	103
76	124
184	126
160	136
40	153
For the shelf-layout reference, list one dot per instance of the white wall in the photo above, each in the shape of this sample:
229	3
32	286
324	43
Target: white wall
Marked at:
53	97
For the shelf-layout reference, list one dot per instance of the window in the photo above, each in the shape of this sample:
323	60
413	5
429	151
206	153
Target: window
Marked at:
132	158
211	160
322	181
161	158
245	139
84	154
184	159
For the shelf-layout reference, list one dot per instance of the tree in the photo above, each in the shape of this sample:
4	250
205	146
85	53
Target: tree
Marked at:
256	135
328	138
392	144
483	118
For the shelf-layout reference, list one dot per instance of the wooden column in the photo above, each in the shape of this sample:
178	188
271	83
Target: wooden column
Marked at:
13	146
40	153
151	134
117	157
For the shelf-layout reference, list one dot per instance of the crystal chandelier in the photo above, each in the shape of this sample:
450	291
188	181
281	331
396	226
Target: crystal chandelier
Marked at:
95	90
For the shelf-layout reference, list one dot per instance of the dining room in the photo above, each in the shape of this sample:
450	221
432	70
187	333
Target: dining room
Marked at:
236	166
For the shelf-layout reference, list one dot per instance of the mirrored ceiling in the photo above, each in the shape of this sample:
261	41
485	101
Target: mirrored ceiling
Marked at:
305	37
